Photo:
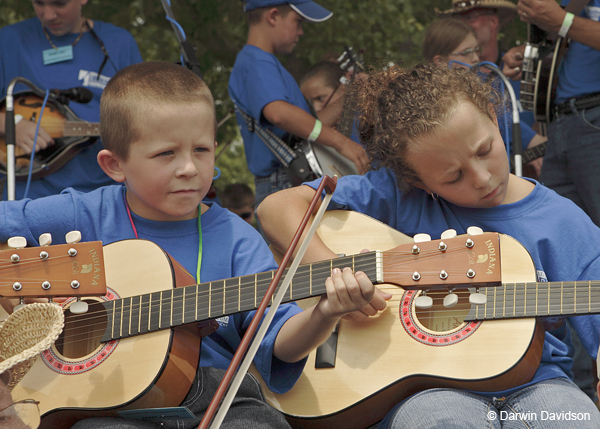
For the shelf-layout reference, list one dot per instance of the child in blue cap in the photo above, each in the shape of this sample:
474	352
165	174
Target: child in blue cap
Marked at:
260	86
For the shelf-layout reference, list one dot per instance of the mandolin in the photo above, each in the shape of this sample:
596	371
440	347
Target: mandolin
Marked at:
70	134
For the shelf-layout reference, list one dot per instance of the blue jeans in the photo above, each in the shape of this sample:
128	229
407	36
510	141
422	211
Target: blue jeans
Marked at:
265	186
572	159
248	409
532	407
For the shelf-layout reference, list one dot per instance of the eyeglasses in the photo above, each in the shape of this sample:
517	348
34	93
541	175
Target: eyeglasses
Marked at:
468	52
24	414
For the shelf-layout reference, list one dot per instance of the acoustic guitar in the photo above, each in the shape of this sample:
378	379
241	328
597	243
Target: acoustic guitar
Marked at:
378	363
71	135
132	350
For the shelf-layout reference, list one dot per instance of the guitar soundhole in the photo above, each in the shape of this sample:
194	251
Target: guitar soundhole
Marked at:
437	326
82	332
439	319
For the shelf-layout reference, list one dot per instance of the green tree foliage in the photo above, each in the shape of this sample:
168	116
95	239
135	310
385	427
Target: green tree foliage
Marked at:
383	31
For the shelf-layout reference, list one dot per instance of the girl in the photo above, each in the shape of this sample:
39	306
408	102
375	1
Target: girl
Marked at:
444	166
451	41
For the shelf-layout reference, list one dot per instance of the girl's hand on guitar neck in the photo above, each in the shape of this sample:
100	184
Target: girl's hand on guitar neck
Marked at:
25	132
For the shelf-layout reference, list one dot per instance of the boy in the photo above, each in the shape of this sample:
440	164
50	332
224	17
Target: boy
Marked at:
321	84
158	128
239	199
445	167
260	86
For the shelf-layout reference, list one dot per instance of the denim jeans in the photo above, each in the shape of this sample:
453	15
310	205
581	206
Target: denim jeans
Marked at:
248	409
265	186
572	159
551	404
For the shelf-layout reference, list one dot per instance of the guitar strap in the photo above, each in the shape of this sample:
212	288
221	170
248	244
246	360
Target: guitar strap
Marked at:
282	151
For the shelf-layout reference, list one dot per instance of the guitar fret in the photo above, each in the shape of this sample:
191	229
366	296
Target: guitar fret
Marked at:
144	323
134	315
154	307
177	307
125	318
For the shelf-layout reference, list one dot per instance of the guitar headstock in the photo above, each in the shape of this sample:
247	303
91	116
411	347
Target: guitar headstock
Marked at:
65	270
470	260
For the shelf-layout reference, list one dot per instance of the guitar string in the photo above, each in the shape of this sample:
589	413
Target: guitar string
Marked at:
421	317
103	315
236	286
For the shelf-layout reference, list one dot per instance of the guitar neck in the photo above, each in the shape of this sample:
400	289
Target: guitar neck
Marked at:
80	128
175	307
517	300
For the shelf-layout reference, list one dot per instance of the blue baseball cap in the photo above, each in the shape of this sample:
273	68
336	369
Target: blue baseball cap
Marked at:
307	9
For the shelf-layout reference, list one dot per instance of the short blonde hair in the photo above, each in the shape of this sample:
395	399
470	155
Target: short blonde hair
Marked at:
135	90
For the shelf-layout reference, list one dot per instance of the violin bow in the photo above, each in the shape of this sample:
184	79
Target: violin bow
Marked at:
328	184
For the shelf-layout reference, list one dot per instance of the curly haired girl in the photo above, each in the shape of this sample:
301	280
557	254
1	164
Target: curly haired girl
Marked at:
443	165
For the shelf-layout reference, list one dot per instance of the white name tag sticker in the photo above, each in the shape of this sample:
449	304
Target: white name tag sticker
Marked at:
158	414
51	56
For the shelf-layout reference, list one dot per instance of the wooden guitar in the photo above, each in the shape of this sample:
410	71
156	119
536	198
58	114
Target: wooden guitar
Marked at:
404	350
70	134
131	349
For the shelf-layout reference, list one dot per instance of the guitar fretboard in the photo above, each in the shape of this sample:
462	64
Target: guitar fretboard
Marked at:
80	128
174	307
516	300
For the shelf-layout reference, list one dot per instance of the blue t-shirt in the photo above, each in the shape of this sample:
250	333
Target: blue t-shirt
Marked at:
257	79
21	47
579	72
559	236
231	248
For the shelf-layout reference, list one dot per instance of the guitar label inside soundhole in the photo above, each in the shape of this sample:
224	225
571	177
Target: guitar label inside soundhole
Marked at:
438	325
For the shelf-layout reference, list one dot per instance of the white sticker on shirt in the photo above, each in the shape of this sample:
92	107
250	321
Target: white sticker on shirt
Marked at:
223	321
593	12
542	276
90	79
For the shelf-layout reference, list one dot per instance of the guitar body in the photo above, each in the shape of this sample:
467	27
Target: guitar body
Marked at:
70	134
145	371
385	360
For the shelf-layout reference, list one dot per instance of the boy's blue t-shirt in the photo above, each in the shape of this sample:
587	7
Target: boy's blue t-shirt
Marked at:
21	47
560	237
257	79
231	248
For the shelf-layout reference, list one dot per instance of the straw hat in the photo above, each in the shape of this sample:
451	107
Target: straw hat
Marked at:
25	334
506	9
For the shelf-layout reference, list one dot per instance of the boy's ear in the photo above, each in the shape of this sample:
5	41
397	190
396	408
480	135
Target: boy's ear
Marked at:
111	165
438	59
271	15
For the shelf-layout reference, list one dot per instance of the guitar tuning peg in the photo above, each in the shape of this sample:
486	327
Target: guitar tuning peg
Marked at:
449	233
474	230
20	305
79	306
423	302
450	300
17	242
477	298
421	238
73	237
45	239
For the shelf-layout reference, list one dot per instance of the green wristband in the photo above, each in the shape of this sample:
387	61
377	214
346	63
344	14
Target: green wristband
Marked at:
566	25
316	132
